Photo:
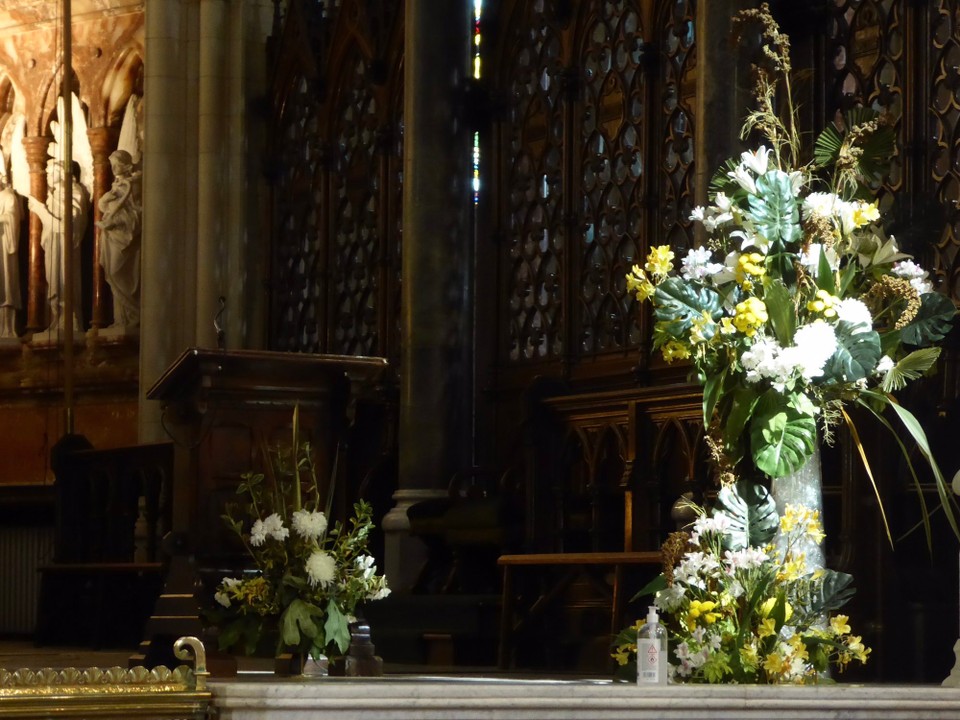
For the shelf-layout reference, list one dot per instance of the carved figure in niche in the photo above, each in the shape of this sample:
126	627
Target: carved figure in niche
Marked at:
9	257
121	208
52	241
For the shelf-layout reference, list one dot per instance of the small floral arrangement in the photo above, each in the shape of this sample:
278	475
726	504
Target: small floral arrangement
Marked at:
309	579
740	607
800	304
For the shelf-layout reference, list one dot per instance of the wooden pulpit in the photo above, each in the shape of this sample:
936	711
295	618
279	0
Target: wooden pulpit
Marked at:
223	409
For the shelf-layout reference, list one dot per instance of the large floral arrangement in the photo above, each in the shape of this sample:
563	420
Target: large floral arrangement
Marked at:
800	303
799	306
740	608
308	578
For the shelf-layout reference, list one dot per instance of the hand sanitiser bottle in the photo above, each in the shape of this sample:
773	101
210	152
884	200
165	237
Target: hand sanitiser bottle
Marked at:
652	651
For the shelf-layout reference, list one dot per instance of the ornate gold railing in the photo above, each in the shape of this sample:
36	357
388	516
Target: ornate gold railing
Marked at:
75	694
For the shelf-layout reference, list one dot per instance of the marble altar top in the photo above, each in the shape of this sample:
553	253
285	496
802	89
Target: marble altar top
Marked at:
262	697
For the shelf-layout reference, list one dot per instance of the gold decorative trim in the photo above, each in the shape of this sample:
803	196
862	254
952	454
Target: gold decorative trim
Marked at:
72	693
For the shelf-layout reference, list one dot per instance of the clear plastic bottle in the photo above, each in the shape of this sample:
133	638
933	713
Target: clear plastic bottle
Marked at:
652	651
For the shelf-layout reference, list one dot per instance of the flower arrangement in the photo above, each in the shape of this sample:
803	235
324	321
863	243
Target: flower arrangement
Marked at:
309	578
740	608
800	304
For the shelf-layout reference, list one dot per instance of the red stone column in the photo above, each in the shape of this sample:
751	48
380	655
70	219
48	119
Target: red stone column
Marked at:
36	149
102	143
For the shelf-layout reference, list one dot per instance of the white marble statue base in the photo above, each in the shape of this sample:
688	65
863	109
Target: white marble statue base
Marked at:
476	698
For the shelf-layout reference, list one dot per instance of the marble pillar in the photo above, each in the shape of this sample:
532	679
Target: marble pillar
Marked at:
36	151
168	285
436	198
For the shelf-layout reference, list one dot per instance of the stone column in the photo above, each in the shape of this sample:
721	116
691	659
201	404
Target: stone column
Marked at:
168	241
102	142
723	91
436	237
213	179
36	150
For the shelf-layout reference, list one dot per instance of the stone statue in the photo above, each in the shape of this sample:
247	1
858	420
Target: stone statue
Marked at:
9	252
121	209
51	240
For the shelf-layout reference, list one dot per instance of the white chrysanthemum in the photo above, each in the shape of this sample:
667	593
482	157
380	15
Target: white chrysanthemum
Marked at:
273	527
759	360
222	598
884	366
711	217
321	568
309	525
820	204
258	533
230	582
816	343
856	313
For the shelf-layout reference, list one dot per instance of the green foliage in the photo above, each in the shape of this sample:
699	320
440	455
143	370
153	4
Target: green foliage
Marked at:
751	512
932	322
856	356
781	435
773	209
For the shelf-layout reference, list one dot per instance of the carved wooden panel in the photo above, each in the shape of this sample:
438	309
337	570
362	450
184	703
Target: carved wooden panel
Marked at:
355	238
677	81
532	184
298	306
613	122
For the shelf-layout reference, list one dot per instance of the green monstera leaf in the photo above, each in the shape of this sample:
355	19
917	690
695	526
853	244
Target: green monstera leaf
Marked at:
832	592
773	210
782	435
752	513
678	303
933	321
857	354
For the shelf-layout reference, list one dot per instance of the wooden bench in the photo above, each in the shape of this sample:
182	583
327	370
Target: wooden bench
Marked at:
570	565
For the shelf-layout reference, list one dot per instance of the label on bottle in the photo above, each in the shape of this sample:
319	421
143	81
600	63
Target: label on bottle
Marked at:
648	660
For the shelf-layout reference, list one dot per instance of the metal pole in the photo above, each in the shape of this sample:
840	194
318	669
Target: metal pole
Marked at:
66	127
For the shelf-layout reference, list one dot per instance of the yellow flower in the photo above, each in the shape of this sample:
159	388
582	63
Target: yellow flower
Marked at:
639	285
748	656
857	648
674	350
659	261
622	653
823	304
865	213
775	665
750	316
750	266
767	607
701	609
838	624
799	648
698	327
794	566
727	327
767	627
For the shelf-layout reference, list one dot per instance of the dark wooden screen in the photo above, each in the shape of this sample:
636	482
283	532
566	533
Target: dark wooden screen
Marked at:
335	172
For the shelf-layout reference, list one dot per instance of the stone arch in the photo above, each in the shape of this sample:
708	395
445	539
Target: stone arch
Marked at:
123	80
